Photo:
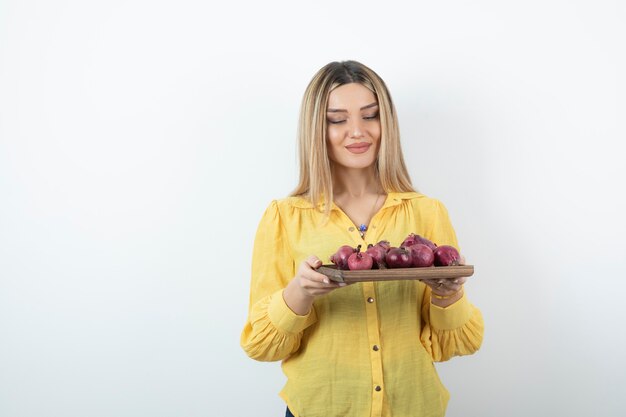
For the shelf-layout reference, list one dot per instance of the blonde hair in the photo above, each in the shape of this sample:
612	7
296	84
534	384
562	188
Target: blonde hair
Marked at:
316	183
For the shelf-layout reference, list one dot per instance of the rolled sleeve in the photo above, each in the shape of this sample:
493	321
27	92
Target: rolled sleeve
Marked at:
284	319
452	317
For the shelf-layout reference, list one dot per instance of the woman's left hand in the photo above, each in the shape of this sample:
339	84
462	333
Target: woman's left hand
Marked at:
449	289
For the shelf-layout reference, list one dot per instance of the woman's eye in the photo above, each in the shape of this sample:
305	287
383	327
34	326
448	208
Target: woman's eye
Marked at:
335	122
372	117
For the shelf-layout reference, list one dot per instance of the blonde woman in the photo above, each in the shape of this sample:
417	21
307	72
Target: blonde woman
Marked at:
365	349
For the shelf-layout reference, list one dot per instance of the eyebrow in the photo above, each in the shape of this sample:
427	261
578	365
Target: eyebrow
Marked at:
345	111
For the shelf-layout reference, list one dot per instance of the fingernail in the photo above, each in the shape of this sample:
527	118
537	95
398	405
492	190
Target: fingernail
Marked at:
342	284
326	281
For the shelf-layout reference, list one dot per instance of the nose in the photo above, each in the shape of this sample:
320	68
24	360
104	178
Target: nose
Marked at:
356	131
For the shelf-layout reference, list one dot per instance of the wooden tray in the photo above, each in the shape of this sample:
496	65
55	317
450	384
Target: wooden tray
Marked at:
433	272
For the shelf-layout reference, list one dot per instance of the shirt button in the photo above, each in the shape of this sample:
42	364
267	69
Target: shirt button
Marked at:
375	347
378	388
370	300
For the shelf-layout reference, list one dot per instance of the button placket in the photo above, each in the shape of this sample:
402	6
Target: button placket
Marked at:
373	333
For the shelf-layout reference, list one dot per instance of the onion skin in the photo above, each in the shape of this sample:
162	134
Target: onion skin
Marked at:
340	258
385	245
377	253
446	255
360	261
421	255
414	239
409	241
398	258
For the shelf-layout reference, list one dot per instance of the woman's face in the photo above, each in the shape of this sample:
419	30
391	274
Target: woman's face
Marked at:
353	131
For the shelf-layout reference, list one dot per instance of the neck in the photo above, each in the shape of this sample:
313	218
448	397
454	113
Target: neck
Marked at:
352	182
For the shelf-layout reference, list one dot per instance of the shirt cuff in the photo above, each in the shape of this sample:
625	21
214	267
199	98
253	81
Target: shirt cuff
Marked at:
451	317
284	319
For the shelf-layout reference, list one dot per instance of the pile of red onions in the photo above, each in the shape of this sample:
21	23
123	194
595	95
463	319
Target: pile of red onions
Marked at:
414	252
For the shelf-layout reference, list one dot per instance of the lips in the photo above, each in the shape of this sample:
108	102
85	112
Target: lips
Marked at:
359	147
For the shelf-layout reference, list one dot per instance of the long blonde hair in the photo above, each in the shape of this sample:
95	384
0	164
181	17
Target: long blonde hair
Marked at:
316	183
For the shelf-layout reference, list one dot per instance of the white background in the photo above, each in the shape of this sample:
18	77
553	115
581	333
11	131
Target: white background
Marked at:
140	142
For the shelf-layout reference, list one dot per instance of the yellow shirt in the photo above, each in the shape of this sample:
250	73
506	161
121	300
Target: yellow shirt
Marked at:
366	349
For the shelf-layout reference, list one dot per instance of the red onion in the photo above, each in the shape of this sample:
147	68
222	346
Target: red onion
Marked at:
414	239
385	245
340	258
421	255
360	260
377	253
446	256
398	258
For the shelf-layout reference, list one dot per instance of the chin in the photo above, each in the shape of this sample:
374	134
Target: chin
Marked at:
354	163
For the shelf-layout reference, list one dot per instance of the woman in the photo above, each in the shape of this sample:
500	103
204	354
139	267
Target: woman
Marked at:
365	349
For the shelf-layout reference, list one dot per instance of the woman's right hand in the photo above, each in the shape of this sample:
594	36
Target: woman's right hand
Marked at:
306	285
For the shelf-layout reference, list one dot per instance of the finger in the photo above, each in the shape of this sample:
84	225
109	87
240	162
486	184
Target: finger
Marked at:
431	282
445	281
315	276
442	285
319	288
313	261
434	284
451	282
459	281
308	267
462	260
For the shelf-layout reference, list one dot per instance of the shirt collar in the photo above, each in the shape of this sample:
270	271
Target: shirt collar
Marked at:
393	199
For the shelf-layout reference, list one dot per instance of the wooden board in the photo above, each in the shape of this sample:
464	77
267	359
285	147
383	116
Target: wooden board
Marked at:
433	272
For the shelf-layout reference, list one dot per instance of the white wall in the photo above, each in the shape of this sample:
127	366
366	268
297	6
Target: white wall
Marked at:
140	142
